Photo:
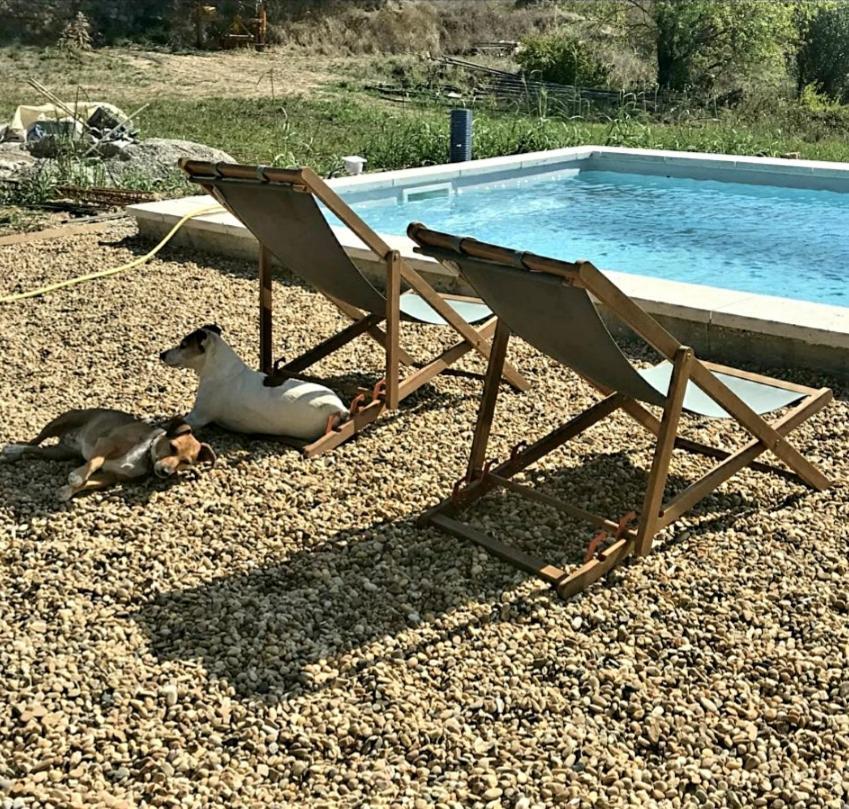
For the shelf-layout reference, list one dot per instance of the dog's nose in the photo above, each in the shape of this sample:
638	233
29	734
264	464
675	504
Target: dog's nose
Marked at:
162	355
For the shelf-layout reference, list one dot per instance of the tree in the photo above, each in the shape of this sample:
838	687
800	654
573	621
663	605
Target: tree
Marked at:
822	59
695	42
28	21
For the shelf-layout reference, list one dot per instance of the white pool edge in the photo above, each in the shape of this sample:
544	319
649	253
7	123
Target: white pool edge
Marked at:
711	308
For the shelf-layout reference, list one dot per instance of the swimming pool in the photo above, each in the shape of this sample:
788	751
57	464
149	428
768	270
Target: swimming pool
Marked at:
760	242
760	238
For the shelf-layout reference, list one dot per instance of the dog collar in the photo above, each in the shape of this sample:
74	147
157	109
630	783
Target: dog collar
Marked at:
153	439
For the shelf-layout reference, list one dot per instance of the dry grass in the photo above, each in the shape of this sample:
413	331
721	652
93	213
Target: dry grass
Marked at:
142	75
438	26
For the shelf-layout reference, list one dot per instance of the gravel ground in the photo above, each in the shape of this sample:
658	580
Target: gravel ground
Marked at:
278	632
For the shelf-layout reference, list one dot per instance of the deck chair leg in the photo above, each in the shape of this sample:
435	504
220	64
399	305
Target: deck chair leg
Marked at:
652	425
759	427
486	412
523	458
448	358
656	485
743	457
509	373
265	333
393	327
350	428
659	338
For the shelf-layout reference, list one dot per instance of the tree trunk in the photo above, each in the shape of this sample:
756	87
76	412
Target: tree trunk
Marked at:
672	59
665	64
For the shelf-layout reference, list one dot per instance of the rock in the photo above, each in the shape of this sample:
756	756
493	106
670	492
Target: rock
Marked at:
14	159
169	694
157	156
114	148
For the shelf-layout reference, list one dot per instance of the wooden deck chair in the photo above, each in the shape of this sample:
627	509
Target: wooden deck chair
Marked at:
281	208
548	303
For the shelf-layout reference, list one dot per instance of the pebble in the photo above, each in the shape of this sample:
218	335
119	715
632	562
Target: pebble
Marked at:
169	694
281	632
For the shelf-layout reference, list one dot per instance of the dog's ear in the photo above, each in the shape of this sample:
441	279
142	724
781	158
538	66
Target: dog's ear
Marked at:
207	455
213	327
177	426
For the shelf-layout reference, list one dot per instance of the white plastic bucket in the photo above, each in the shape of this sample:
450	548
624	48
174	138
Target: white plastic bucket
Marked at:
354	164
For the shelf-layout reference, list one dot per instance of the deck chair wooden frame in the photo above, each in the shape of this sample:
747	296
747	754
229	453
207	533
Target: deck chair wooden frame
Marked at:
388	392
619	536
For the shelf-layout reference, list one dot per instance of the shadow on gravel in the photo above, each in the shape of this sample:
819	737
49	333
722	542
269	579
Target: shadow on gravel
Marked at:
264	631
16	487
16	478
607	484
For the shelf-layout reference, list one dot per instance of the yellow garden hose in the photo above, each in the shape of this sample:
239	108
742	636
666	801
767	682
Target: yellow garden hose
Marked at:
33	293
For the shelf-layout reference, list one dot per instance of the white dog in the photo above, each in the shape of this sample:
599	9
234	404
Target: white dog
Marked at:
234	396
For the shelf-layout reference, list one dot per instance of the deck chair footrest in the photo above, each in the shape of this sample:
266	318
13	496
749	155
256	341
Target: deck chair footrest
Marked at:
516	557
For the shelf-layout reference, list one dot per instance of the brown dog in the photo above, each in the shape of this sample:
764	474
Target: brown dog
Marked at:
115	446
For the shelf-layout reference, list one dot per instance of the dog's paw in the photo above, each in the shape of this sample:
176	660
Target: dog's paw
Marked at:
65	493
75	479
13	452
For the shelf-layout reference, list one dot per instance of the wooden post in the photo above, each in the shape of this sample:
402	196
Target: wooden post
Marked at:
494	369
656	485
393	328
264	310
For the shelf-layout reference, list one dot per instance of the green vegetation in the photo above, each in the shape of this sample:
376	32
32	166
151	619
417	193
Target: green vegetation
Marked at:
563	58
318	132
323	26
703	43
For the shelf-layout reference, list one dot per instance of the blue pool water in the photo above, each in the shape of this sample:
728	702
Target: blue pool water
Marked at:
754	238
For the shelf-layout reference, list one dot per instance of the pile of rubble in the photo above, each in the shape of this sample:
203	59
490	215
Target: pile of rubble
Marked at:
99	137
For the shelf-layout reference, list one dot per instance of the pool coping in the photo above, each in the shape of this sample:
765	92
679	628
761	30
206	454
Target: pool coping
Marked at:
703	307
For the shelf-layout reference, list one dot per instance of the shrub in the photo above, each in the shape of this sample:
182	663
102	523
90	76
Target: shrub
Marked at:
818	116
76	36
564	59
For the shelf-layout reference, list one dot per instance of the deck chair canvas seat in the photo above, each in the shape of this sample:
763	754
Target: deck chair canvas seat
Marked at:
282	208
550	304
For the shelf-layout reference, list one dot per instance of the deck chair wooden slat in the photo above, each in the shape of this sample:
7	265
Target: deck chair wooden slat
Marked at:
282	208
551	305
